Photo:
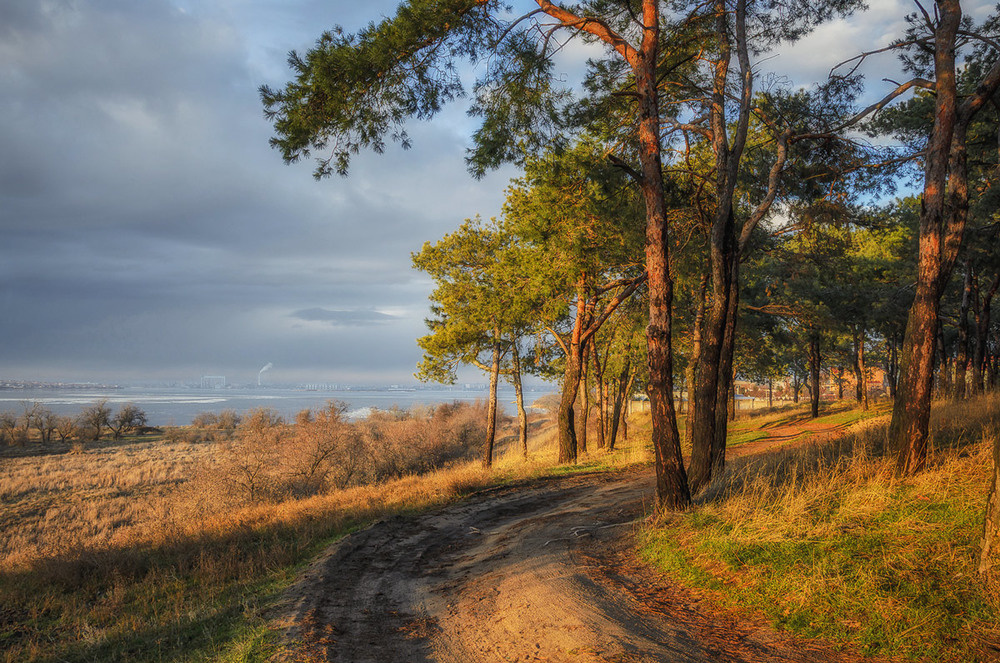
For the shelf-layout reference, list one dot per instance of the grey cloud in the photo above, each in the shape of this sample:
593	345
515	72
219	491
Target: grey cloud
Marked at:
364	317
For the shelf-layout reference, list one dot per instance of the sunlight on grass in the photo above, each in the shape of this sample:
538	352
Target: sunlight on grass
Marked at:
827	541
114	554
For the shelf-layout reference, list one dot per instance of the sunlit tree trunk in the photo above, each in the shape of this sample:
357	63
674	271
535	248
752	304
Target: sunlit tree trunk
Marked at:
601	404
571	385
522	416
584	424
671	479
491	413
944	208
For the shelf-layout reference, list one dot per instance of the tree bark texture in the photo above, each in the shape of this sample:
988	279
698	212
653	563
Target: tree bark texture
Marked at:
943	213
671	479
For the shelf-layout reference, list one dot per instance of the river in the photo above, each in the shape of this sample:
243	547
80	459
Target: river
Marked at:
178	406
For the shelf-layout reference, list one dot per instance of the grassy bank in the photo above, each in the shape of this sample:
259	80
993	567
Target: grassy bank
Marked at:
826	541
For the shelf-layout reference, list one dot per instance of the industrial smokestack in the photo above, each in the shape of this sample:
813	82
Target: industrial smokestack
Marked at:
267	367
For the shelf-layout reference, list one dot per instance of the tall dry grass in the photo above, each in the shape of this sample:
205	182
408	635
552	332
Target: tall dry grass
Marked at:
144	550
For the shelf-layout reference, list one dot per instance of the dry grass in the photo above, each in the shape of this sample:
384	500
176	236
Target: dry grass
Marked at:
119	553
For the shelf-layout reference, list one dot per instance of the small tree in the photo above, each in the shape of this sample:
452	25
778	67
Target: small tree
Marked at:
9	428
65	428
128	419
94	418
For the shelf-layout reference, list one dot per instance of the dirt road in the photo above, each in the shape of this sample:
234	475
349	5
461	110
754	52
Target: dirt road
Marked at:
537	572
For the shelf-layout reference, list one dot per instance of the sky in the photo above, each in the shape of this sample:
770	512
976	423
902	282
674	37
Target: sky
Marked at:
149	233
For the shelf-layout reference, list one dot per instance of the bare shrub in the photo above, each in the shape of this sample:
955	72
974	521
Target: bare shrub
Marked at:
405	443
205	420
325	452
216	426
252	461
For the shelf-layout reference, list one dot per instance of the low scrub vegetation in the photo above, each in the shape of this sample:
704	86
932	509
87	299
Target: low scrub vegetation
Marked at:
153	548
829	541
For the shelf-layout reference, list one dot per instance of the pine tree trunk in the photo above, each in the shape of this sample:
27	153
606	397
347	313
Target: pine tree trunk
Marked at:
944	367
570	386
491	412
671	479
623	381
864	373
814	365
962	351
601	404
943	214
692	368
522	415
584	425
565	423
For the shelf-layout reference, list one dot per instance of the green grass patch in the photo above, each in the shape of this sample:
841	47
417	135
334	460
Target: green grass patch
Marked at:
833	545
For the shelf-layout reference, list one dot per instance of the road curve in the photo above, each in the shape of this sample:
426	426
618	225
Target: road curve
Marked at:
541	571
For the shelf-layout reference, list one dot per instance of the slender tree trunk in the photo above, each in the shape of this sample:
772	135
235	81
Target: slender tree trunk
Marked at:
692	367
491	412
892	368
522	415
770	392
863	370
981	358
814	365
623	382
584	425
627	410
962	351
944	378
671	479
796	387
601	405
571	385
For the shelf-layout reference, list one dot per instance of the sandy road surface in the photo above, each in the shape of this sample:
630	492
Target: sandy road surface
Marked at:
534	572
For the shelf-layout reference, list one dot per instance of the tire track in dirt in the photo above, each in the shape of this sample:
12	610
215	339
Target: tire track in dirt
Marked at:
540	571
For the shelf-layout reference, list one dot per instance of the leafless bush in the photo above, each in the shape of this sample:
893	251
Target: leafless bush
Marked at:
216	426
270	460
253	459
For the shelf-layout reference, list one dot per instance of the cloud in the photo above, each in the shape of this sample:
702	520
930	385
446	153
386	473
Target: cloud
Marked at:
338	317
